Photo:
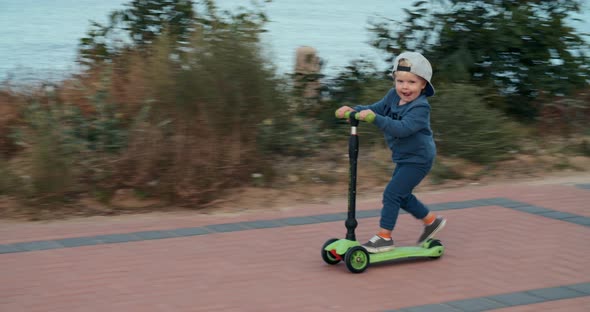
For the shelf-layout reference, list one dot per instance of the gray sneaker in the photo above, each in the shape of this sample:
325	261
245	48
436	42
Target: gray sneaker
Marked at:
379	244
430	230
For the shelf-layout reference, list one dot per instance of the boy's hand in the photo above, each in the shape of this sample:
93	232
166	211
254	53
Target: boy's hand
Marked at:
342	110
366	115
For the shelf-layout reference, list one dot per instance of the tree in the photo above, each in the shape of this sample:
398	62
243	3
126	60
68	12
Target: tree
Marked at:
144	21
139	25
523	50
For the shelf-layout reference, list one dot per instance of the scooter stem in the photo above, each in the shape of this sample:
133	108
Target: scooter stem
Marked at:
353	151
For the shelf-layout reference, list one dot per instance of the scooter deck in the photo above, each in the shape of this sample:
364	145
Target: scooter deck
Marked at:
406	252
427	250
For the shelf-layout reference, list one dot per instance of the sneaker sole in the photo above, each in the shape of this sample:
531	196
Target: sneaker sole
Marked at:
440	227
378	250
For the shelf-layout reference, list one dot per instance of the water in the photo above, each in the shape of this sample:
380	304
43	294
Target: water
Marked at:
39	39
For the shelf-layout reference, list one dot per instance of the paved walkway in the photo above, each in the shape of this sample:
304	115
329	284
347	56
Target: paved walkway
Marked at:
509	248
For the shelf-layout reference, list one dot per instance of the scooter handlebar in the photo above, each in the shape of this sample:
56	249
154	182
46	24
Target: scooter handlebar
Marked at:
369	118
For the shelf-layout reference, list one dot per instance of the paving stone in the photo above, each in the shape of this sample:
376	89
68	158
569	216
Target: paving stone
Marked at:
191	231
331	217
117	238
455	205
78	241
300	220
155	234
508	203
431	308
368	213
579	220
435	207
476	203
38	245
262	224
556	293
226	227
10	249
559	215
514	299
157	265
532	209
505	202
475	305
583	288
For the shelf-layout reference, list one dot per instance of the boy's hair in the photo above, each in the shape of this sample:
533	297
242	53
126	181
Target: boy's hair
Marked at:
404	62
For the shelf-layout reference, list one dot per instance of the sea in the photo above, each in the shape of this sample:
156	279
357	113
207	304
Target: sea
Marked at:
39	38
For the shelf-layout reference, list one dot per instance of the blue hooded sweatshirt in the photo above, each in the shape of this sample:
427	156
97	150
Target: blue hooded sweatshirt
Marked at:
406	128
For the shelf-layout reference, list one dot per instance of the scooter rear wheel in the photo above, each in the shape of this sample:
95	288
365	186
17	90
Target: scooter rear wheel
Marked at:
327	255
435	243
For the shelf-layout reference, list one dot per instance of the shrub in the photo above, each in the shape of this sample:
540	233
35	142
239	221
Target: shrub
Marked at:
65	149
464	127
179	121
205	106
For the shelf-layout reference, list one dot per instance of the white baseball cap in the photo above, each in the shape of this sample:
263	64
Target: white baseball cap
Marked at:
420	67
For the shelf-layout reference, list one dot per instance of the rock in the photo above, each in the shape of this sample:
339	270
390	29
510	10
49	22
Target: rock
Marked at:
307	69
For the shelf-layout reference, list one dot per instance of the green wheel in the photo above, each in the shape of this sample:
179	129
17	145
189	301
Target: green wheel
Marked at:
435	243
430	243
356	259
327	256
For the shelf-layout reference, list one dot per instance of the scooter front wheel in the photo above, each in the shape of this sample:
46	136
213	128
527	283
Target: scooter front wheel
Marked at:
356	259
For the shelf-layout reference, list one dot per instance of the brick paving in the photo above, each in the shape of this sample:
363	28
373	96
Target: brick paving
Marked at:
520	247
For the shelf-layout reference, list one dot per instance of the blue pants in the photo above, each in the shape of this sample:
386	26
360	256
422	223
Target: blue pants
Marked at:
398	194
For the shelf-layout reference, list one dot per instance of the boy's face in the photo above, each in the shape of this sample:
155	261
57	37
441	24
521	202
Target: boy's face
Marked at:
408	86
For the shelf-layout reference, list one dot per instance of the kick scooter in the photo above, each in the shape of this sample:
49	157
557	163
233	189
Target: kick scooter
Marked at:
356	257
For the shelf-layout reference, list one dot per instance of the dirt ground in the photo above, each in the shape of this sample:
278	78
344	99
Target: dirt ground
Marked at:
330	182
263	199
323	181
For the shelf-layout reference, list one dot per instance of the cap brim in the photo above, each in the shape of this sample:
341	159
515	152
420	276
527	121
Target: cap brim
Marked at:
429	91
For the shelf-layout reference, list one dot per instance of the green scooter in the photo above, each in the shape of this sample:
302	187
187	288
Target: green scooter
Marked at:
355	256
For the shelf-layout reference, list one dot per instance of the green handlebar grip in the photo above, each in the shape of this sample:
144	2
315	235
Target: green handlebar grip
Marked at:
370	118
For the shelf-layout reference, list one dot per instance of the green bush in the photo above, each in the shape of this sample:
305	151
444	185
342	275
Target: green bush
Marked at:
441	172
207	104
10	183
49	156
175	120
464	127
68	150
292	136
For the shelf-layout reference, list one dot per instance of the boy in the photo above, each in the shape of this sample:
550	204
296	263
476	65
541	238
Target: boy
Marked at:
403	116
